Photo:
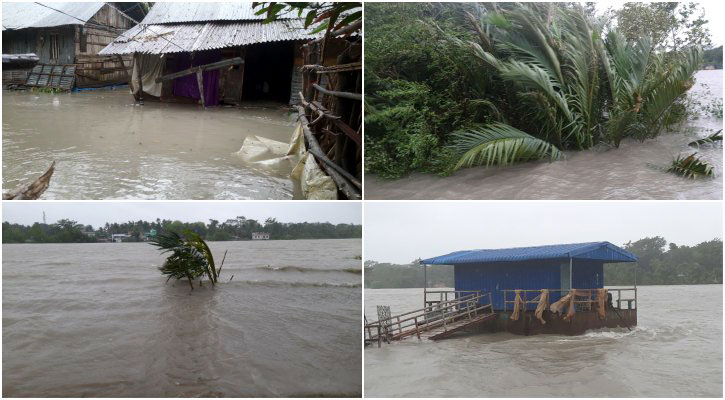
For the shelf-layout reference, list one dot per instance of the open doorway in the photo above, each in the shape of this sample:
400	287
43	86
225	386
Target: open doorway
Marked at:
268	71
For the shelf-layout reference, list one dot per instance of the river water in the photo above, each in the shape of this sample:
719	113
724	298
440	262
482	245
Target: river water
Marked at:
108	148
630	172
675	351
97	320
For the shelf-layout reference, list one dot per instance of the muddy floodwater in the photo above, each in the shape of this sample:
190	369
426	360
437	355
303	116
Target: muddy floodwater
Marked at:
97	320
633	171
675	351
108	148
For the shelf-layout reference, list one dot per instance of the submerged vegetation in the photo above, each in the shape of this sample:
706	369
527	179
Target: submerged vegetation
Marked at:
190	257
659	263
708	140
691	167
459	85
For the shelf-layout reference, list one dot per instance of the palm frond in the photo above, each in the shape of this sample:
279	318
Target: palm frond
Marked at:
499	144
710	139
691	167
190	256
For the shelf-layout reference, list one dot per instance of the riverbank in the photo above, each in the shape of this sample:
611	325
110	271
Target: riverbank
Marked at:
629	172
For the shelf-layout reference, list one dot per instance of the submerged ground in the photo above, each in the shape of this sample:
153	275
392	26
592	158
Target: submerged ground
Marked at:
675	351
108	148
629	172
97	320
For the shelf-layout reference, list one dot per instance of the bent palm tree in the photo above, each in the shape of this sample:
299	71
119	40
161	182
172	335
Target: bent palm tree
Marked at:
569	85
190	257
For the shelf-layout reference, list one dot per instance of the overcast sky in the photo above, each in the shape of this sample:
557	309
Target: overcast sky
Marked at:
98	213
400	232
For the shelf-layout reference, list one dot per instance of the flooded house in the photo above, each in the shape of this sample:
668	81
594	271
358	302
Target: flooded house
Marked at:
557	289
214	53
65	39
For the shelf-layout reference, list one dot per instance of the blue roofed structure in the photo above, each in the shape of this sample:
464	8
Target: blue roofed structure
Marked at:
554	267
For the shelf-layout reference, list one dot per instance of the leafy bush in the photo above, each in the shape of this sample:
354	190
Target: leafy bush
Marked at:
418	89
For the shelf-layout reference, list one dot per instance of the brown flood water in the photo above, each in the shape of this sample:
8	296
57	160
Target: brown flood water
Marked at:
108	148
629	172
99	320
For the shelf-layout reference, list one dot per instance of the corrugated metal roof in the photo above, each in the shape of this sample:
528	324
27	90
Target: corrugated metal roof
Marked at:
31	15
601	251
170	12
175	38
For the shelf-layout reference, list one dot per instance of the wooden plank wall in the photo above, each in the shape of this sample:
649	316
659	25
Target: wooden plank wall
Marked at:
93	69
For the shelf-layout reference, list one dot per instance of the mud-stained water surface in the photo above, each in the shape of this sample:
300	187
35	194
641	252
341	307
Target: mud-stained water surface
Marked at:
108	148
633	171
675	351
97	320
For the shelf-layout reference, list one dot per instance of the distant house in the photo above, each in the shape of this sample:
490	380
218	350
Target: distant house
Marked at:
66	38
260	236
149	235
240	58
120	237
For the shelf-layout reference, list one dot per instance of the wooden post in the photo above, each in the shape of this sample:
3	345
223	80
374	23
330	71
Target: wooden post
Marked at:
200	81
140	78
123	65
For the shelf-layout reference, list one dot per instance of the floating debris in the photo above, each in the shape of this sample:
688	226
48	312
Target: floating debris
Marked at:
711	139
691	167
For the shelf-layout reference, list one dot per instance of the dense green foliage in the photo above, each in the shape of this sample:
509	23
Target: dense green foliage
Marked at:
663	264
418	89
670	25
450	86
713	58
190	257
659	264
66	231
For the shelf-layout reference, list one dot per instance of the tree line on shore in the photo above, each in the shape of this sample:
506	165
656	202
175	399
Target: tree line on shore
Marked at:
659	263
240	228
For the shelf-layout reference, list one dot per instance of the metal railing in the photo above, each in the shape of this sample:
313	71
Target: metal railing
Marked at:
445	295
528	296
434	316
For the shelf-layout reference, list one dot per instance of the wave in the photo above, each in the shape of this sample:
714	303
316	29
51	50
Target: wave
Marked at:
283	284
307	269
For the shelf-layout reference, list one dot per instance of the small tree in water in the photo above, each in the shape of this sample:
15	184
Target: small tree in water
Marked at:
190	257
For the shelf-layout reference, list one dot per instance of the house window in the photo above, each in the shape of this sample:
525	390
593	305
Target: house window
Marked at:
54	47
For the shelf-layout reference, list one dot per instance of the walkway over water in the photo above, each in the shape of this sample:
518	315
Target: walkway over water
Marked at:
436	321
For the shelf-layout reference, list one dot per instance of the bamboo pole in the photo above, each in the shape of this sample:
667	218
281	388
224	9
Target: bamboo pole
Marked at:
342	183
344	95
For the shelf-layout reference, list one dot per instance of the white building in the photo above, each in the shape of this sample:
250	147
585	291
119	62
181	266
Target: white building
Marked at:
119	237
260	236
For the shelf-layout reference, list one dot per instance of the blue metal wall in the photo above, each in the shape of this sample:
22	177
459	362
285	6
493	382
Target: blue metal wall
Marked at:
587	274
494	277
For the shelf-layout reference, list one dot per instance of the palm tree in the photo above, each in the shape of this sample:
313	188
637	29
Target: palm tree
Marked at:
569	86
190	257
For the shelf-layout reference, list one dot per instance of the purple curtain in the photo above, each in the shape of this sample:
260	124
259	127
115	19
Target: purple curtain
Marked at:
187	86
